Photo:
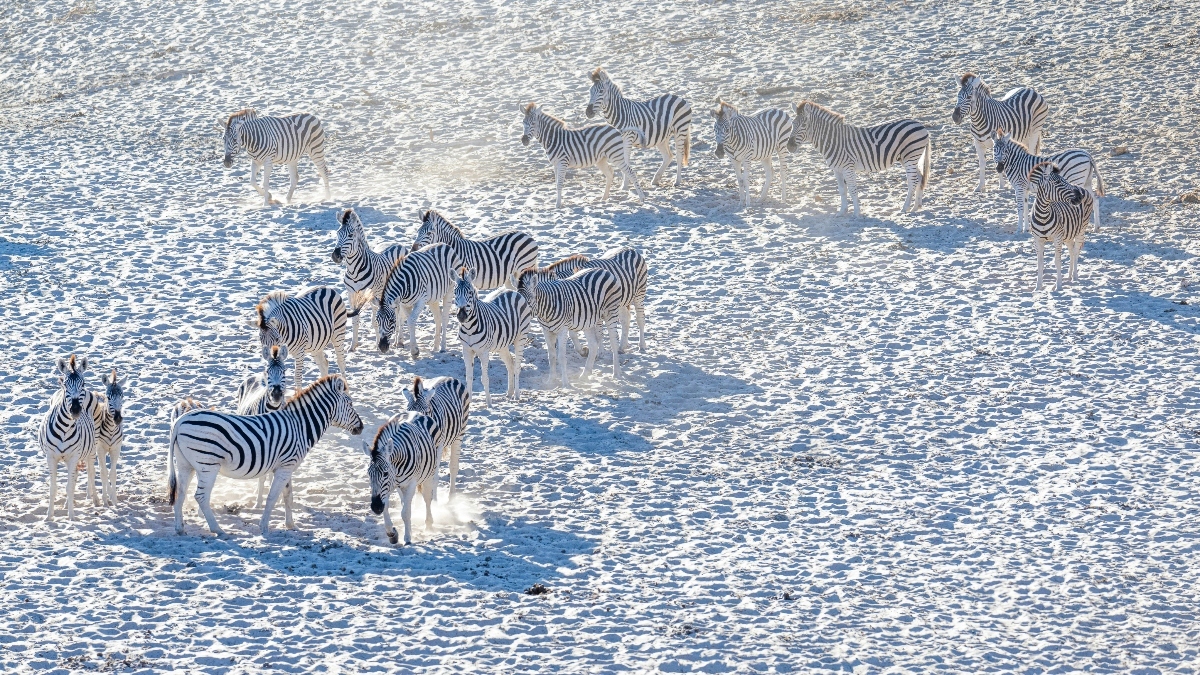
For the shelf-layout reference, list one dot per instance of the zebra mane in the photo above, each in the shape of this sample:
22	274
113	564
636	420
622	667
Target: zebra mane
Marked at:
321	383
722	106
430	214
345	215
822	112
1035	167
551	118
245	112
598	75
1010	139
552	267
967	76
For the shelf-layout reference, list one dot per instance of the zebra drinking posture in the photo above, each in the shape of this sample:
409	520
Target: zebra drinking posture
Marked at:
599	145
493	325
495	260
1014	162
1060	214
209	443
757	137
366	271
282	140
658	121
1022	112
631	271
403	459
850	150
109	423
447	402
262	393
305	324
424	277
68	433
583	303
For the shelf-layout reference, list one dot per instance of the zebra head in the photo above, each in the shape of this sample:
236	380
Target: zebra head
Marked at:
344	415
419	398
801	126
114	395
276	376
465	295
380	469
233	144
1003	148
1050	186
268	330
969	87
723	114
600	95
531	129
70	378
349	235
434	229
527	285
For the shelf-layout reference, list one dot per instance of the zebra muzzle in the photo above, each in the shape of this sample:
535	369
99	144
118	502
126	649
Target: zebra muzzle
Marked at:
524	140
228	162
462	313
376	505
720	151
956	116
589	111
999	167
336	255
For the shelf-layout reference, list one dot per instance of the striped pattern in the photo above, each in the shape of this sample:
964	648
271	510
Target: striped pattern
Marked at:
759	138
424	277
276	140
447	402
631	271
583	302
108	419
658	121
1021	112
495	260
68	433
495	325
403	459
366	271
305	324
599	145
262	393
1060	215
1015	162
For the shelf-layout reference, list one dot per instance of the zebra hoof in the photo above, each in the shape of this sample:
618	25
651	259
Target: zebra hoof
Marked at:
393	537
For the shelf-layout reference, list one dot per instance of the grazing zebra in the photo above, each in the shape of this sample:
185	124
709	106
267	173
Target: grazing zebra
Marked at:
305	324
583	303
447	402
109	423
631	271
262	393
599	145
850	150
366	270
403	459
757	137
1060	214
658	120
424	277
1014	162
209	443
492	325
496	260
68	434
1022	112
282	140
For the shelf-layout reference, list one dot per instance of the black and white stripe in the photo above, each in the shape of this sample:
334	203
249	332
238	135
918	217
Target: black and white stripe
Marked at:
1021	113
495	324
631	271
496	260
1014	162
404	459
447	402
262	393
108	419
424	277
366	271
1060	215
659	121
306	324
68	433
583	303
278	140
757	137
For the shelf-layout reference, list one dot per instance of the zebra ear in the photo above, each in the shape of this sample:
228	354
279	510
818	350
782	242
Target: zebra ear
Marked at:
366	447
82	365
283	352
122	382
408	396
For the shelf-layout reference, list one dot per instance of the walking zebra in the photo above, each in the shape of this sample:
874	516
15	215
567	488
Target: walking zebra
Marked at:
631	271
282	140
599	145
757	137
1014	162
366	270
403	459
659	121
67	433
424	277
262	393
850	150
495	260
583	303
1060	214
447	402
1022	112
305	324
209	443
493	325
109	422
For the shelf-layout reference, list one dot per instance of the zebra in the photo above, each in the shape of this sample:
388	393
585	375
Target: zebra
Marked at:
447	402
262	393
282	140
186	405
306	324
403	459
599	145
1014	162
366	270
424	277
68	433
757	137
109	422
1022	112
209	443
496	260
1060	214
850	150
631	271
584	302
492	325
658	121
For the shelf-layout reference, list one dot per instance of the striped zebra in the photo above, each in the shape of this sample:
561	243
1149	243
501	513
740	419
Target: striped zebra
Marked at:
584	303
757	137
1060	215
67	434
1014	162
306	324
496	260
424	277
599	145
659	121
631	271
279	140
186	405
495	324
262	393
1022	112
403	459
109	422
366	271
210	443
447	402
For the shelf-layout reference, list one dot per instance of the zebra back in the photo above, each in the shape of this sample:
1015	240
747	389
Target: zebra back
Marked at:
625	263
586	299
283	140
493	260
657	119
446	401
576	148
305	323
751	137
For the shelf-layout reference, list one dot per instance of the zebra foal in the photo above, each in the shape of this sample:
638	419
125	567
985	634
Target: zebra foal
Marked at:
403	458
494	325
68	433
495	260
757	137
424	277
1022	112
366	270
108	419
306	323
1014	162
279	140
446	401
658	121
1060	215
584	302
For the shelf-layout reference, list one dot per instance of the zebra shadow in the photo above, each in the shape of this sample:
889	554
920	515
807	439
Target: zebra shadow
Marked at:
1165	311
12	254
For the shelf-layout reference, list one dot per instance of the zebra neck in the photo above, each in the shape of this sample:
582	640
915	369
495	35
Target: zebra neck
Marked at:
826	135
982	115
620	111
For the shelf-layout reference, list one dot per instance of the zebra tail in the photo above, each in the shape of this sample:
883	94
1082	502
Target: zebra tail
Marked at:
1099	180
925	170
172	484
687	144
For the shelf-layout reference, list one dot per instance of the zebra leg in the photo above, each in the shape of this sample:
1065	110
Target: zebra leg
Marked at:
259	500
322	361
1073	249
679	144
354	324
606	169
278	483
411	327
266	182
551	360
426	489
578	344
911	174
770	175
183	475
205	480
455	451
388	528
852	189
562	358
318	159
593	340
1058	265
53	464
293	169
447	301
339	354
1019	195
640	312
485	362
254	167
624	329
783	176
406	497
72	472
614	345
664	149
559	170
1041	246
114	458
982	187
841	186
287	505
468	368
507	357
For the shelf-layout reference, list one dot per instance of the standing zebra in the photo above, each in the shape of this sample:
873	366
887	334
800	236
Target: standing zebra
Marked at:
1022	112
658	120
209	443
68	433
282	140
1060	214
583	303
366	270
305	324
1014	162
850	150
404	459
109	423
447	402
631	271
748	138
599	145
493	325
424	277
262	393
496	260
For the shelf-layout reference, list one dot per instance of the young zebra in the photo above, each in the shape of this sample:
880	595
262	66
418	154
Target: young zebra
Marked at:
584	302
1060	214
496	260
1022	111
631	271
493	325
849	150
1014	162
658	120
448	403
366	270
209	443
403	459
599	145
282	140
305	324
757	137
262	393
424	277
109	423
68	433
